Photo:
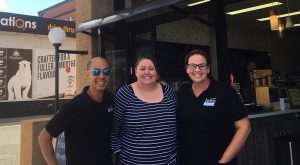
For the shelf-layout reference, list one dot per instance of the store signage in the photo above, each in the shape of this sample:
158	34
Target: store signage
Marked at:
30	73
15	74
35	25
44	67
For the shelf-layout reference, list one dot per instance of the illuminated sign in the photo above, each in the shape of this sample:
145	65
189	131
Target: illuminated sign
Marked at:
35	25
18	23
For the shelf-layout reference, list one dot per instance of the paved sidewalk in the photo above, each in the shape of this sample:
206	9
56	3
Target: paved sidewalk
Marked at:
10	145
10	138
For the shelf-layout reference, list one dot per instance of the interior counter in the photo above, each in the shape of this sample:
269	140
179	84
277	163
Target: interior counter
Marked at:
271	113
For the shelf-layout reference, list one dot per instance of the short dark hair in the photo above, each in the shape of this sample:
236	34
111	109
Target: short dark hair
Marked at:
202	53
197	51
152	59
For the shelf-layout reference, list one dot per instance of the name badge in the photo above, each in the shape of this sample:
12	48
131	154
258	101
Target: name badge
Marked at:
110	109
210	102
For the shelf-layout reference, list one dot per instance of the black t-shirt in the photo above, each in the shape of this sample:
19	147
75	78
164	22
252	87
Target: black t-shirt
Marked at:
87	126
206	122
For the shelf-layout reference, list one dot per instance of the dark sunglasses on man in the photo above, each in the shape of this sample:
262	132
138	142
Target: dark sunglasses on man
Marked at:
97	71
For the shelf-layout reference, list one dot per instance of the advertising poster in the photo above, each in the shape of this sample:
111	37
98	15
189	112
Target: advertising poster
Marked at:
44	75
15	74
2	74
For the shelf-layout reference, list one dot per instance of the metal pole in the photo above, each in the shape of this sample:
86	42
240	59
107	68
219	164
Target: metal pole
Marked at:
291	153
56	101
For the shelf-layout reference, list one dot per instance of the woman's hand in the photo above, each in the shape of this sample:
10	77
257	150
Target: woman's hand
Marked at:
115	158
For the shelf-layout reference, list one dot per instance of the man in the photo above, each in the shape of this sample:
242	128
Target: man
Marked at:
251	66
247	83
86	121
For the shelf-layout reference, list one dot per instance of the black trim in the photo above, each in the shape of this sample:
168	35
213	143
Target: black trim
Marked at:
28	108
73	52
89	33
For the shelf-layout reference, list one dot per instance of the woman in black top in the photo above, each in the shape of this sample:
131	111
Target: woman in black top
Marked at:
212	120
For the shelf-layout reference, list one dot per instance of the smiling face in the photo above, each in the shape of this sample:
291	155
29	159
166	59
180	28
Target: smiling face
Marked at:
97	82
145	72
199	73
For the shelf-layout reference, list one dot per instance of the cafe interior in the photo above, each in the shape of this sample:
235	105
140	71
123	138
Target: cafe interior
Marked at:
234	33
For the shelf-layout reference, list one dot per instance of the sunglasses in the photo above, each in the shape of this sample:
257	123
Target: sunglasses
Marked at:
97	71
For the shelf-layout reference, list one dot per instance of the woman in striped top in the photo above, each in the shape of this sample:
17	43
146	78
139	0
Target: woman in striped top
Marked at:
144	122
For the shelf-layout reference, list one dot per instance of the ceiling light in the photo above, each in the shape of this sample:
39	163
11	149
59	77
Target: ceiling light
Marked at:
298	24
273	20
254	8
198	3
280	29
280	26
288	23
280	16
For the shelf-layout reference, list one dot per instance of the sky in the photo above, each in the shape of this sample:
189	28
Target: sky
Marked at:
26	7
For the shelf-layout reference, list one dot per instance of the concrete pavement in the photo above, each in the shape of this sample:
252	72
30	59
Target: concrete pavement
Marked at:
10	145
10	132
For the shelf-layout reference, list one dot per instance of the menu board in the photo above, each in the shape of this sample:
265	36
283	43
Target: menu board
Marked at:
15	74
294	94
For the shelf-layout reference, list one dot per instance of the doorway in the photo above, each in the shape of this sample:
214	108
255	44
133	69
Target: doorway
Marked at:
142	43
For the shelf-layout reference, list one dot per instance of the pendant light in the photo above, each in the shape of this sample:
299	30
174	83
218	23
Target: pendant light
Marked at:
280	30
273	19
288	23
280	26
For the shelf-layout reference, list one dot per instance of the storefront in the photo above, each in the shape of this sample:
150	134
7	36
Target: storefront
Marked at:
169	29
27	65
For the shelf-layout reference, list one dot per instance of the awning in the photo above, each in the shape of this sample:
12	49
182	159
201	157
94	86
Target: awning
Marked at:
124	14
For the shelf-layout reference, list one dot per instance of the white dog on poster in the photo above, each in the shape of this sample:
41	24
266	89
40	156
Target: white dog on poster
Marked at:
18	86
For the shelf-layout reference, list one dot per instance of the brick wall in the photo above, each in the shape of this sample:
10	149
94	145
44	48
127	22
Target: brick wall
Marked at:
56	11
88	10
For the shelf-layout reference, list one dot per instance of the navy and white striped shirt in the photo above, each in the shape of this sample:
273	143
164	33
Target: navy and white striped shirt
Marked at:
144	133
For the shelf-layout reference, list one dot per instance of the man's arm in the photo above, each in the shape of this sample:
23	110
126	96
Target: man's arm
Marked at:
45	141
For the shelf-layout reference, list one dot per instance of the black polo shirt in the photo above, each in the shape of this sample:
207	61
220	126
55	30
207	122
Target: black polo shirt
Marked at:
87	126
206	122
